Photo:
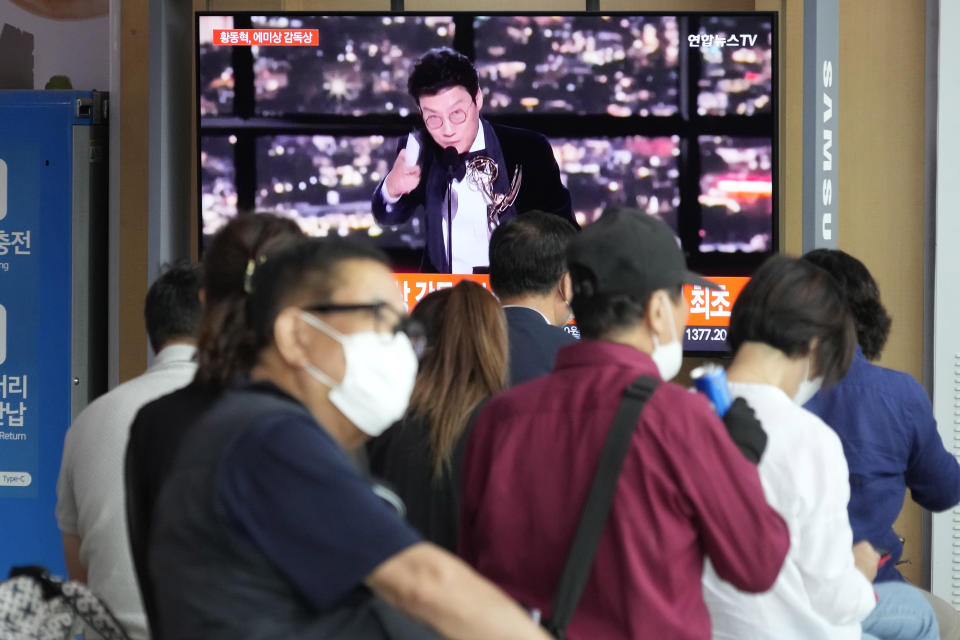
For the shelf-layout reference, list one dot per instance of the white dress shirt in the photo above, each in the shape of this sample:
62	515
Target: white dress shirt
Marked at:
819	593
90	497
471	233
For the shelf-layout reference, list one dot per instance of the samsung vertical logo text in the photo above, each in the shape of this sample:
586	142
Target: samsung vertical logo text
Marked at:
826	230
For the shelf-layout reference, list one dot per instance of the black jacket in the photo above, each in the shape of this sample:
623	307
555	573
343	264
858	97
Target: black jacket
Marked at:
155	436
401	458
540	188
533	344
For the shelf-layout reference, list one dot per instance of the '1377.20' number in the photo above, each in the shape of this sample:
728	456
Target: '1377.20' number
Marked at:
702	335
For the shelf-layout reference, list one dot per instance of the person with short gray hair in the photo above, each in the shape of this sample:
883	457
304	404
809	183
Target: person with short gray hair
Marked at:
90	497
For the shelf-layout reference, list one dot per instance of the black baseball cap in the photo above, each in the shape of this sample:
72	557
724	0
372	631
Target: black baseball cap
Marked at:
627	252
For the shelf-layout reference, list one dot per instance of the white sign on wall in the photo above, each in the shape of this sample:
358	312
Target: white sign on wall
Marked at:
821	50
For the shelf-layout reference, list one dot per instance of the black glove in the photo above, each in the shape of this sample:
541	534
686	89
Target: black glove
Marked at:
745	430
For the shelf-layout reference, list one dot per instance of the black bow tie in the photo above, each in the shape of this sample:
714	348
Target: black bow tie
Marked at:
459	170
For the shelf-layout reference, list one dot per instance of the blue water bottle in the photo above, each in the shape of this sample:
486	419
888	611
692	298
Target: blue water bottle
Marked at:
711	380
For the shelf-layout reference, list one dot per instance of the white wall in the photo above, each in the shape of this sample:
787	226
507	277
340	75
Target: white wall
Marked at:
945	546
78	49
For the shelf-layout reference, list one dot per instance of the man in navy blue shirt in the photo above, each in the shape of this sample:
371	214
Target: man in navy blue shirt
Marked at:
528	272
886	424
263	528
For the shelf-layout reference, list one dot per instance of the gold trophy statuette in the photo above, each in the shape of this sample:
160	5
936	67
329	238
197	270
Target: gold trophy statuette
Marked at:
483	173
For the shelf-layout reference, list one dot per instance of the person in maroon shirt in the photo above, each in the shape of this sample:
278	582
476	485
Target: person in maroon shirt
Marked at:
685	492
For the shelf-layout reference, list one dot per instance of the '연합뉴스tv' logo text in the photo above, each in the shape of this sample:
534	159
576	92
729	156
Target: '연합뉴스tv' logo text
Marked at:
707	40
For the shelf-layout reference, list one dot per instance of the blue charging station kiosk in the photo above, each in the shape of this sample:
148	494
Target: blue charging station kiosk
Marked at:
53	302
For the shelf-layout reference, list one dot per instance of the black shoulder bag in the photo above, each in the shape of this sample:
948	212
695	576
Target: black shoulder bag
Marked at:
576	571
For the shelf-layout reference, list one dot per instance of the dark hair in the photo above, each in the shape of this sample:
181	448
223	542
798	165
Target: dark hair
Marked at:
466	363
862	295
304	274
528	254
599	316
242	239
172	308
240	244
440	69
787	304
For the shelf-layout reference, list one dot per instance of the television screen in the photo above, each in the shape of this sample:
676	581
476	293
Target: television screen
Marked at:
671	114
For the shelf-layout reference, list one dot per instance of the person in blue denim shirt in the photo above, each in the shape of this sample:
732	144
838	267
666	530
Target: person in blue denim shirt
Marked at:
885	421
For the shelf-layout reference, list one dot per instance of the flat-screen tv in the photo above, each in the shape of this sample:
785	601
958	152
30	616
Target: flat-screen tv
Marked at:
674	114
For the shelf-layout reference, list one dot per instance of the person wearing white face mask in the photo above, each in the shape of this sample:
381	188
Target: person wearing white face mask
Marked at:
684	493
379	370
264	528
792	333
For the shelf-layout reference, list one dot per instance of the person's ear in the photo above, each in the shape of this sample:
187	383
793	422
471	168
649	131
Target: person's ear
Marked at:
478	99
657	316
202	296
566	287
812	354
289	336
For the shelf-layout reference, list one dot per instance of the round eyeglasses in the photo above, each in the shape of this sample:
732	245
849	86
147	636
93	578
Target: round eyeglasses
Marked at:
454	117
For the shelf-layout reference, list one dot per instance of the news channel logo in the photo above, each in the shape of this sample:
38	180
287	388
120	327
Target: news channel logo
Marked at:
721	40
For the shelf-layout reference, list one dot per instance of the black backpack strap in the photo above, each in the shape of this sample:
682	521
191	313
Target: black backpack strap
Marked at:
579	563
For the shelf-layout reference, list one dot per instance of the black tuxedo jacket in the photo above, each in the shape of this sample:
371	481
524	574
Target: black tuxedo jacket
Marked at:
540	188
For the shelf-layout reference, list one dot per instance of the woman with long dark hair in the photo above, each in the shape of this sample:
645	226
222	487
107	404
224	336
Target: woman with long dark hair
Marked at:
160	426
465	363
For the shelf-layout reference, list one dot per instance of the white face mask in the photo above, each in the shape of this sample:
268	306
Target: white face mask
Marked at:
668	357
807	388
379	377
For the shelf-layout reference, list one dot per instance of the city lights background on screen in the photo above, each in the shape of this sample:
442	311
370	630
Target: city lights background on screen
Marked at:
672	114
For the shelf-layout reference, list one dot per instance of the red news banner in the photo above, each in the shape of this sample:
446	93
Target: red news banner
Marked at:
414	286
708	307
709	314
266	37
711	307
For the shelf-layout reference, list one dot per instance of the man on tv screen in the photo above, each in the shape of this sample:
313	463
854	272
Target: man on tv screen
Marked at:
467	176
